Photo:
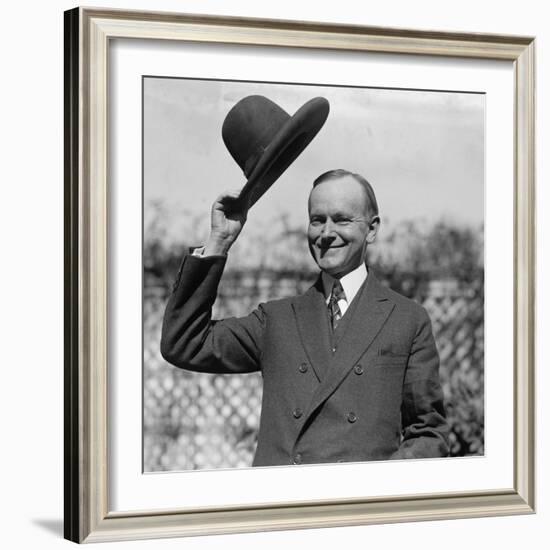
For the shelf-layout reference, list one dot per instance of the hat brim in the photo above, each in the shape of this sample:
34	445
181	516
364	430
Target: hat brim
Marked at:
284	149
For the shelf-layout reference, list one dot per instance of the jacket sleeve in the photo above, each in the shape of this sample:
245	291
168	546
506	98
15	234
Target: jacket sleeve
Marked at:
424	428
192	340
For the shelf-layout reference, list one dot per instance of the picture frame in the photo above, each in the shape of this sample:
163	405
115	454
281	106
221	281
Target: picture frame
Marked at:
88	38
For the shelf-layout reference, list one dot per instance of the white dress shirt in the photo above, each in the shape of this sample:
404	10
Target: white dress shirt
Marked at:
351	283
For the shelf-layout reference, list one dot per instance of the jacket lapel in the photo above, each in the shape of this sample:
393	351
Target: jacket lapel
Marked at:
372	311
313	328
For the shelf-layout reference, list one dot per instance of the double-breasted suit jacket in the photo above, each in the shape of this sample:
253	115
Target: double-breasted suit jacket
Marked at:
377	396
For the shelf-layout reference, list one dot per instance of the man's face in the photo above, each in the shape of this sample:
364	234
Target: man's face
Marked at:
339	225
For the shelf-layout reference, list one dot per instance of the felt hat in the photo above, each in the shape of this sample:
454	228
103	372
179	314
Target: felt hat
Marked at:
265	140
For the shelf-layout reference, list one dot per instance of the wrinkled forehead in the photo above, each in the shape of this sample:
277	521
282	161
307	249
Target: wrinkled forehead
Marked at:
339	195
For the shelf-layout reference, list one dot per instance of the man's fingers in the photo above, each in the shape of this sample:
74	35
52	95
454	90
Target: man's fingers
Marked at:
228	196
232	204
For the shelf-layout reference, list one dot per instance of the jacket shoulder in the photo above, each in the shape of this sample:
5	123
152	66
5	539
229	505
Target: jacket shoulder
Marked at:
406	304
278	304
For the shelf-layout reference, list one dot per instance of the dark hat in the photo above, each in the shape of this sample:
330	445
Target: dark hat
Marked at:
265	140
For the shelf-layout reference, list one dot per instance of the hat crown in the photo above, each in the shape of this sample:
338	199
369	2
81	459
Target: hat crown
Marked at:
250	127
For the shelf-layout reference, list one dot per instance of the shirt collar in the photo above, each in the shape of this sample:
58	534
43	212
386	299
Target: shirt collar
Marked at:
351	283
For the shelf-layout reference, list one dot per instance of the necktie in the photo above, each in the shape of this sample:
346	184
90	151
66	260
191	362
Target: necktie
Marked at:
336	294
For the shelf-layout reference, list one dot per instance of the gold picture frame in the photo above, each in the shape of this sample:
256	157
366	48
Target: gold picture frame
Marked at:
87	38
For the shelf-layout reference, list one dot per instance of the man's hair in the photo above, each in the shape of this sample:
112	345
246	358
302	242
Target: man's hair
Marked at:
372	204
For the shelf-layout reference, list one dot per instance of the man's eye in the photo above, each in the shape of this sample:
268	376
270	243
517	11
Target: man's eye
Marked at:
342	221
315	222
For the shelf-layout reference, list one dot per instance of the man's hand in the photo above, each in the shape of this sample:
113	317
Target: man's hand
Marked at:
227	219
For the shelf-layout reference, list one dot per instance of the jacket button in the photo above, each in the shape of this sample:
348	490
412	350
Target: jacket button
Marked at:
352	417
358	369
297	413
303	367
297	458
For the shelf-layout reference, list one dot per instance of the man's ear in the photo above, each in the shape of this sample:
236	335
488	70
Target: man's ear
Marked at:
373	229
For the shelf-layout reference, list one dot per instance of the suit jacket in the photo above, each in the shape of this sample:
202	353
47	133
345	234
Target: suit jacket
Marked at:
378	396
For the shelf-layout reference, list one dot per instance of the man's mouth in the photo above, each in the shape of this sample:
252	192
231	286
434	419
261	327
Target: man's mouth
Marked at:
326	250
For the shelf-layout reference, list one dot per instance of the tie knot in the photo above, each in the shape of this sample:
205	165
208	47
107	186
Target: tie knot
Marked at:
337	291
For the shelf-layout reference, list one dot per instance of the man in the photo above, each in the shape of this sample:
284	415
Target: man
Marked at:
350	368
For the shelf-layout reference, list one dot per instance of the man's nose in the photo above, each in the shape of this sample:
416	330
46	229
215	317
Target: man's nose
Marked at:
327	229
327	232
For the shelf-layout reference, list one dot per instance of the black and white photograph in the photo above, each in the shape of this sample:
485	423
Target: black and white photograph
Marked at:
275	275
313	274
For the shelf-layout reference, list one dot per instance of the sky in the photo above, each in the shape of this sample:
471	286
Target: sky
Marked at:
422	151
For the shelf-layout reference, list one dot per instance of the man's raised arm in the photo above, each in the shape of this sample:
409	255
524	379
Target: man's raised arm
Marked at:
190	338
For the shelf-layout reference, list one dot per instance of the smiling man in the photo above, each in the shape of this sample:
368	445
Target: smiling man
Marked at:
350	368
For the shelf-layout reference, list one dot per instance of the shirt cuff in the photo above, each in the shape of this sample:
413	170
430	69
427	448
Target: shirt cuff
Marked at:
198	251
